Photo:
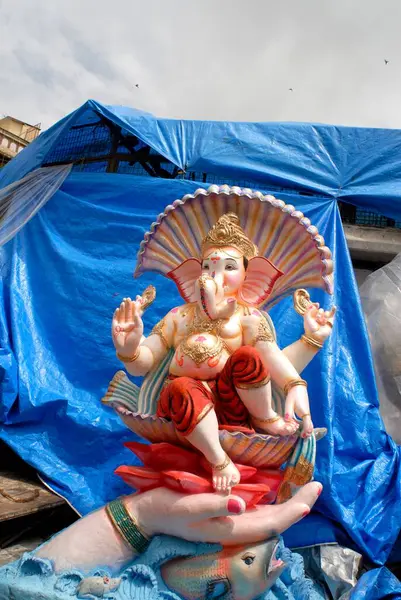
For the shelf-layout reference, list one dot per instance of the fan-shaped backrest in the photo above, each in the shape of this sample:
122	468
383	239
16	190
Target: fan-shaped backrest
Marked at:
283	235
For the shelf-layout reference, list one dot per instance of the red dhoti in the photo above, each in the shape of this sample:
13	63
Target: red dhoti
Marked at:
186	401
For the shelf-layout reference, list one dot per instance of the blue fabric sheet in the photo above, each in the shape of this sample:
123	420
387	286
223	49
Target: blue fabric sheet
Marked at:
353	164
67	270
378	584
141	580
64	274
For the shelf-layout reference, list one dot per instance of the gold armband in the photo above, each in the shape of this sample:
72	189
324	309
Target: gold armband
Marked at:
293	383
129	359
311	342
264	333
158	330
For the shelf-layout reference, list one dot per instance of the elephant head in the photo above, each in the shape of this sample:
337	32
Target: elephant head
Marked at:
229	271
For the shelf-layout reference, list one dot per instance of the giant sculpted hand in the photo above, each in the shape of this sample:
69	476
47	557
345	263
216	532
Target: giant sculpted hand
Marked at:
127	327
200	517
217	518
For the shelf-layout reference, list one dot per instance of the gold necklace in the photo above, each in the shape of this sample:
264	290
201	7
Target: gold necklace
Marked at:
200	324
200	351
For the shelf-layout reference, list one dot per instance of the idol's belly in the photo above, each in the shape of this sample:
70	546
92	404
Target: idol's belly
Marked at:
201	356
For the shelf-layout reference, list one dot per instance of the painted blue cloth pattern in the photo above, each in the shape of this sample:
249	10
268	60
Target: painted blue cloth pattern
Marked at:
32	578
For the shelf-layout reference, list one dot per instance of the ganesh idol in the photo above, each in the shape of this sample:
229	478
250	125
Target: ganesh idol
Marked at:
232	442
224	354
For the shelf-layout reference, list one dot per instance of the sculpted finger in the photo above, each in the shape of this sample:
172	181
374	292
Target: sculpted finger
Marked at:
136	319
268	521
313	308
117	317
122	312
139	306
332	312
129	310
209	506
311	318
212	531
134	310
115	328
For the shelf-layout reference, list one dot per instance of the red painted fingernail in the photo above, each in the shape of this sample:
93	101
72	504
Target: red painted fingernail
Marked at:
305	513
233	506
320	491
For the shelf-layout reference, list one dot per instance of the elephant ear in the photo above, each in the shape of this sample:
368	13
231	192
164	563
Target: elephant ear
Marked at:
185	276
261	276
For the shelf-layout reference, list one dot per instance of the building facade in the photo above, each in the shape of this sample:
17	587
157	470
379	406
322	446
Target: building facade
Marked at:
14	136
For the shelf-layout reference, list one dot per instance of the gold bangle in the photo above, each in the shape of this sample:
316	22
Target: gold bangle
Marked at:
309	341
129	359
134	519
329	323
126	526
305	415
223	465
293	383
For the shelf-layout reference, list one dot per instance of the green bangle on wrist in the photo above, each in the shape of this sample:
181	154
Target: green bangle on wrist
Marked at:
126	525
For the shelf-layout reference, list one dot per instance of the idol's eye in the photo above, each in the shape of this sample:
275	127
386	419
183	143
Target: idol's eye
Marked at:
231	267
248	559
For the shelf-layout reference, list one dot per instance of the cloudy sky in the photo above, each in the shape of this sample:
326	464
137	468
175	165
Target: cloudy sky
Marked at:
204	59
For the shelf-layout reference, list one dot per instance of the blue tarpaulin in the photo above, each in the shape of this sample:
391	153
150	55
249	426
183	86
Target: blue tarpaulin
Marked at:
69	267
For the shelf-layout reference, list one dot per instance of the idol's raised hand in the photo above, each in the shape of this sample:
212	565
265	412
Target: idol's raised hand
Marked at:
127	327
318	323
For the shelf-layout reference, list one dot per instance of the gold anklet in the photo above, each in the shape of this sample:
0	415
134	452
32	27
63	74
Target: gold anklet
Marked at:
267	421
221	466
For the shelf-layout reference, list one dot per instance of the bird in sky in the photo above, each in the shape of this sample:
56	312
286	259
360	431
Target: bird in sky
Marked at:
137	85
290	90
386	62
